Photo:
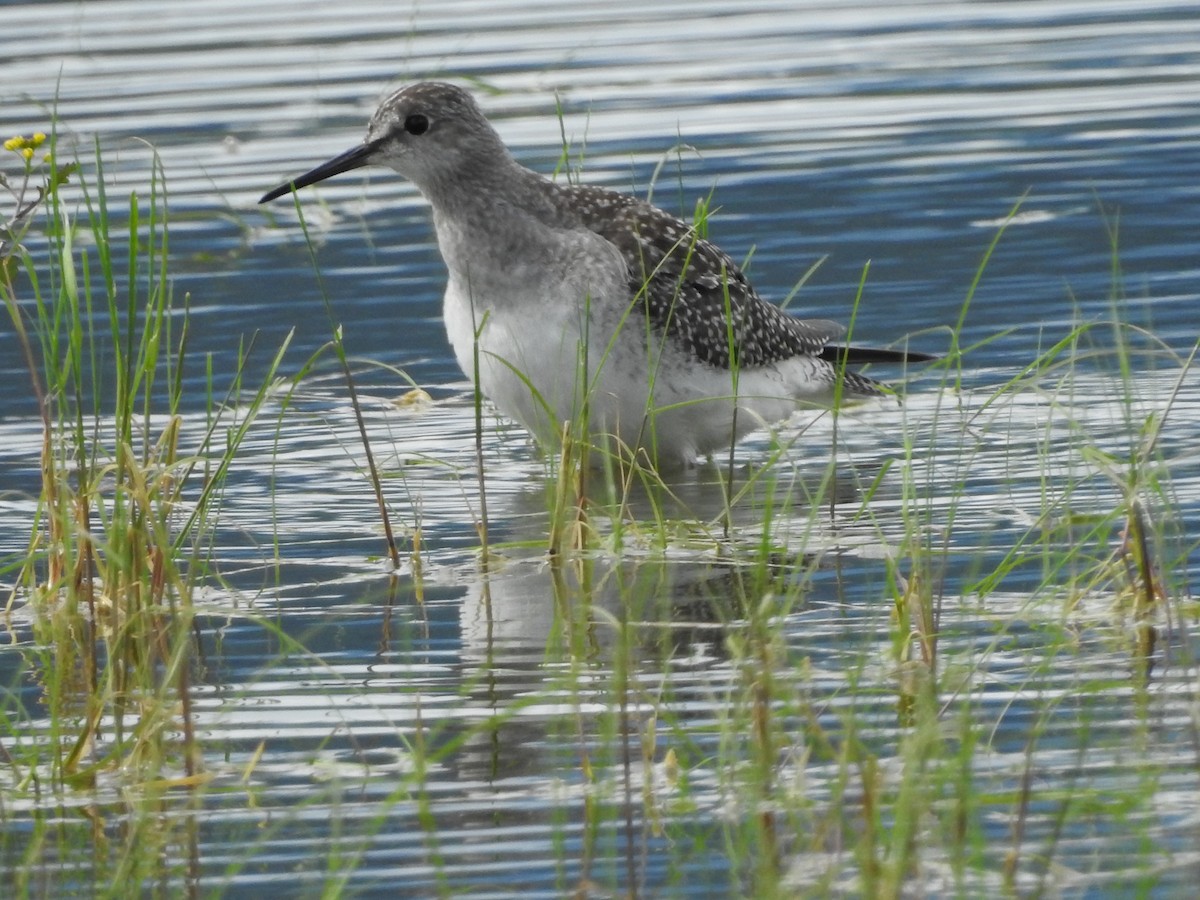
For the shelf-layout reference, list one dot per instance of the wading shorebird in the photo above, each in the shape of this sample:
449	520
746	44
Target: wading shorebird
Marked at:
580	301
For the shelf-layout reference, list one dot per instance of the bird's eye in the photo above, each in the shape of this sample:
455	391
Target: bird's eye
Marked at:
416	124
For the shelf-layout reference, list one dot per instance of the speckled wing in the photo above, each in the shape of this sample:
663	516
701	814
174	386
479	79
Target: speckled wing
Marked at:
688	286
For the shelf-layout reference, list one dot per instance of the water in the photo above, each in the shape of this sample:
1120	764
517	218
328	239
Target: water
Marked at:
900	137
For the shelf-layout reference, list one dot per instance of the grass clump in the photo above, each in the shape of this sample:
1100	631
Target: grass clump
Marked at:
100	604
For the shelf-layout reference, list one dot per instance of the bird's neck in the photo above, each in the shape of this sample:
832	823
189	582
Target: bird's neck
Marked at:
490	219
462	191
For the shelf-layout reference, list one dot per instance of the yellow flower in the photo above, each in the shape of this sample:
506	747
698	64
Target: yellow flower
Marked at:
14	143
27	152
38	139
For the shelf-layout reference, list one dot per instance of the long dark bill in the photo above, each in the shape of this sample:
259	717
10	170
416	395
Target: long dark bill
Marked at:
354	158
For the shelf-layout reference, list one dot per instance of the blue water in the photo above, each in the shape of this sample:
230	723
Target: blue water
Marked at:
892	140
895	139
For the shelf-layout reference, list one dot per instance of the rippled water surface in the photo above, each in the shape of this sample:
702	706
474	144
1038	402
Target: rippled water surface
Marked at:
887	143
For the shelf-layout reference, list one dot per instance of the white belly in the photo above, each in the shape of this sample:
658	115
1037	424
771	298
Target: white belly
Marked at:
538	369
528	364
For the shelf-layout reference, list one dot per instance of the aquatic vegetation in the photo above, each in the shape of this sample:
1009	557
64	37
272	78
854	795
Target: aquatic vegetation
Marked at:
120	534
937	647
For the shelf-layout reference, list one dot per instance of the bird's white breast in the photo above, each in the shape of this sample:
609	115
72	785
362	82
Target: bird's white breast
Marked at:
539	326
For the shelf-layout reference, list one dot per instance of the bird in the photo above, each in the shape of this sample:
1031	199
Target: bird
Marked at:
569	302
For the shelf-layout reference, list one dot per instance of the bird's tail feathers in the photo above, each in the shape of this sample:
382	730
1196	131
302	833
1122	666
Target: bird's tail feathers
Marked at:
856	356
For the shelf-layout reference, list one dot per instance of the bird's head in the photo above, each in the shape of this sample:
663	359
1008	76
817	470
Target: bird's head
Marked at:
431	132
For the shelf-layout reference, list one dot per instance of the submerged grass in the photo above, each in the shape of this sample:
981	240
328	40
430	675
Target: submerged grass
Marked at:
805	678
